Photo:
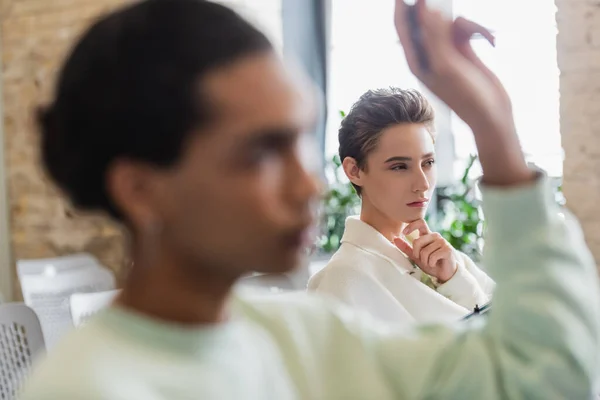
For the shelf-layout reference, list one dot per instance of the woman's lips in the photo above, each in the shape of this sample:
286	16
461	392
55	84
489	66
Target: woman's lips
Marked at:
418	204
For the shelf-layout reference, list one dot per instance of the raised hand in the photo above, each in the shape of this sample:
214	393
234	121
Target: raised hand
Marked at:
459	78
430	251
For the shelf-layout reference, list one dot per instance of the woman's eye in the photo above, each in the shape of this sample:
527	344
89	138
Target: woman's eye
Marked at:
430	163
398	167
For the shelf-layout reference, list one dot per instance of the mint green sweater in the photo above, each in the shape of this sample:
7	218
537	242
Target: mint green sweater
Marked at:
541	340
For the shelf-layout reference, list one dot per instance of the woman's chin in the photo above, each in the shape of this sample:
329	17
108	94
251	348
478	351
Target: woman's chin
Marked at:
414	213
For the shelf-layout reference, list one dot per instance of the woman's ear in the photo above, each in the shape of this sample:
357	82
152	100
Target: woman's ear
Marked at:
352	170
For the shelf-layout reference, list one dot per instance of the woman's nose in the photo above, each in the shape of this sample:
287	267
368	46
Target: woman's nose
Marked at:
421	183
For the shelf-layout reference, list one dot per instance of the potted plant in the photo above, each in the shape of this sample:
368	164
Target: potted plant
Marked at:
459	217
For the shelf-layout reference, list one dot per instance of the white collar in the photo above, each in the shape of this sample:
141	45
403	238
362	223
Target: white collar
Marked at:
364	236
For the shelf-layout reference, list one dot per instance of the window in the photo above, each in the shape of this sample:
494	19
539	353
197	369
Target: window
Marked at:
365	54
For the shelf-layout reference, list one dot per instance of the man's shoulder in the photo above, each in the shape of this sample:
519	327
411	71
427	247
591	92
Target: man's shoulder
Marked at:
295	302
298	313
307	328
299	309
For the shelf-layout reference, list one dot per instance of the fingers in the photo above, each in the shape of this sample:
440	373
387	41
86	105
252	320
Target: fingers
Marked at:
438	255
444	274
423	242
437	32
434	243
418	225
427	252
464	29
403	31
404	247
438	45
442	40
412	28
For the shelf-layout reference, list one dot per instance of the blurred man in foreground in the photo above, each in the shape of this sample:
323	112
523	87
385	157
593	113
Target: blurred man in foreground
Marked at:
177	118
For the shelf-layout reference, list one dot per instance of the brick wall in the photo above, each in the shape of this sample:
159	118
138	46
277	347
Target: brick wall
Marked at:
35	36
579	62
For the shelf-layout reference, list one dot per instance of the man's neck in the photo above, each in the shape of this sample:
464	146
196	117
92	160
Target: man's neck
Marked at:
384	225
164	291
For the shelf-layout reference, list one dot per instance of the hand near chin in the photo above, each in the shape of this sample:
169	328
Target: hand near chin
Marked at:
430	251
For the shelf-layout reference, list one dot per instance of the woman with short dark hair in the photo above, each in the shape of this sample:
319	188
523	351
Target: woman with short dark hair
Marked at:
389	263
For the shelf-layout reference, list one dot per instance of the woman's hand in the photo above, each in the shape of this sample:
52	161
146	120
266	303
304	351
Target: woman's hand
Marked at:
430	251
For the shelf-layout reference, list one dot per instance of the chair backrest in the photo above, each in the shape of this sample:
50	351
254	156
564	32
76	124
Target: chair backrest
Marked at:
85	305
47	285
21	341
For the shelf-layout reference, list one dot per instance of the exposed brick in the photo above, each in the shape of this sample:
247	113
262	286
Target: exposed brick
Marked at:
579	61
576	59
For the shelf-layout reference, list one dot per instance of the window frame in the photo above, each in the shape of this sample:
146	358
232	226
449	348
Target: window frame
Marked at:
6	267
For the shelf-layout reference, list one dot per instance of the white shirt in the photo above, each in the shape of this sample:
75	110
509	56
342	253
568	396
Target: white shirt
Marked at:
372	274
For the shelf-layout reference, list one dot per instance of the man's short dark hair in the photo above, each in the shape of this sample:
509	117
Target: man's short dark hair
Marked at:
375	111
130	89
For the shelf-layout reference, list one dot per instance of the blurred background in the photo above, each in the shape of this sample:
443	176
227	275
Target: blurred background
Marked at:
346	47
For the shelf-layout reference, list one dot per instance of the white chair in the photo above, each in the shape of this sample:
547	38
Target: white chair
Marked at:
47	285
21	341
85	305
